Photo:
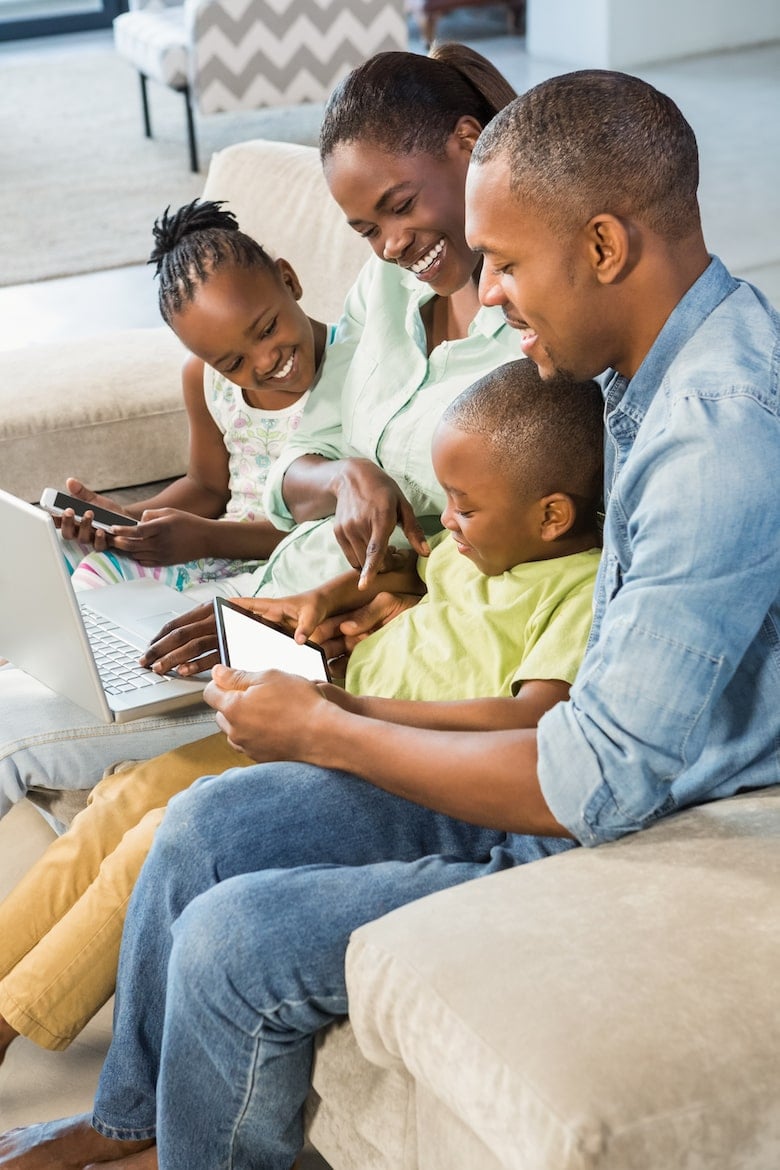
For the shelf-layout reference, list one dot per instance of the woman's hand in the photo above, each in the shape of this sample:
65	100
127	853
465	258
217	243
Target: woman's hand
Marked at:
188	644
369	506
166	536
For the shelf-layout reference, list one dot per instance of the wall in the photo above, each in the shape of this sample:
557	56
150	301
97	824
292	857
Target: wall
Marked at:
620	34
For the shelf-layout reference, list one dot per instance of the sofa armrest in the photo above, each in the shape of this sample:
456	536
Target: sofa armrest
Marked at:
108	410
605	1008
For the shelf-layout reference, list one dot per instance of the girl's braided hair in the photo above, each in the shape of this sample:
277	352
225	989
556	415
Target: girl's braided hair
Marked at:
191	244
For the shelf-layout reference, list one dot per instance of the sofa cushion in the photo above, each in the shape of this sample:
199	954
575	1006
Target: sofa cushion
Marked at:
109	410
640	1031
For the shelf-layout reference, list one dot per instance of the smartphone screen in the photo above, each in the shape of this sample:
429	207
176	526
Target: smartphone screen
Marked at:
56	503
250	642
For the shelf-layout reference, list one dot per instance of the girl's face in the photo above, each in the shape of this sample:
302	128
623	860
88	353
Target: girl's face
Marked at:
410	207
248	325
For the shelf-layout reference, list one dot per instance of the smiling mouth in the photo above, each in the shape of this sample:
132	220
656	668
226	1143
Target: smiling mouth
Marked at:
421	266
285	370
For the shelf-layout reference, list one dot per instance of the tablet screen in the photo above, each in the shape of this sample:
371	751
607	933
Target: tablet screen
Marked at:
250	642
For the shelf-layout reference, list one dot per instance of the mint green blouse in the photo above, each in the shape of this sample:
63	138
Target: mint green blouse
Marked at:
379	397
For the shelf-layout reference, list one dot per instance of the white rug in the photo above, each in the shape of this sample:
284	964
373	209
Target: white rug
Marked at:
80	186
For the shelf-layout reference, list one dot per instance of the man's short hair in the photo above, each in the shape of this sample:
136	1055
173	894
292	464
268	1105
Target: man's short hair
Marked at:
546	435
598	141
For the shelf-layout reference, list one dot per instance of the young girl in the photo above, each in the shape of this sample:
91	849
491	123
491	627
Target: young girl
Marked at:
255	356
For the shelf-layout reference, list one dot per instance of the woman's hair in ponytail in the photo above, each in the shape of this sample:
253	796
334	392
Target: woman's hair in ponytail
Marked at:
410	104
194	242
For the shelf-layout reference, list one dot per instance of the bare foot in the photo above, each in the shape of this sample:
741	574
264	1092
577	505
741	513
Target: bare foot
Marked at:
145	1160
69	1144
7	1034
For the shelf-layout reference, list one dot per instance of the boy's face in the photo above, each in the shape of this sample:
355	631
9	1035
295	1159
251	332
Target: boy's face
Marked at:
492	520
247	323
544	281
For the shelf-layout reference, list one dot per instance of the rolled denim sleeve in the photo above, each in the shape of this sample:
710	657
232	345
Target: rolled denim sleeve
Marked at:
661	712
321	430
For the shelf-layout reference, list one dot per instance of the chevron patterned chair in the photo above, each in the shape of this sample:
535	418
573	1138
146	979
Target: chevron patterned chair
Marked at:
245	54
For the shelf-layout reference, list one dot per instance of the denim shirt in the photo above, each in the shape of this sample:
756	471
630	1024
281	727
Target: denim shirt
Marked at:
678	698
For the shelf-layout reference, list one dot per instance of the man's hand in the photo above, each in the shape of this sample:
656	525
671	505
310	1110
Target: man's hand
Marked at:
268	715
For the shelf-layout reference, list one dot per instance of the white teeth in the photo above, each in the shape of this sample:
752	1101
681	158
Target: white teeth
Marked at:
285	368
428	259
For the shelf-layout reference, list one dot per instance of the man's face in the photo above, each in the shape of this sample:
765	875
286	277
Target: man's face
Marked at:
543	280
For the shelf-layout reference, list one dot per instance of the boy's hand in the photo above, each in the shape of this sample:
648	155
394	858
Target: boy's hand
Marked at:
340	634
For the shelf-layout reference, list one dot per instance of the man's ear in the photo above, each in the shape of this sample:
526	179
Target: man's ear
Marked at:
558	515
610	242
289	277
467	131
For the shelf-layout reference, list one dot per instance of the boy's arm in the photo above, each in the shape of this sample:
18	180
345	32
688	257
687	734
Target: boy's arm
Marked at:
498	714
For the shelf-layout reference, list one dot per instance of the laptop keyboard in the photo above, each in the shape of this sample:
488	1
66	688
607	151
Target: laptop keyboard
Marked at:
116	659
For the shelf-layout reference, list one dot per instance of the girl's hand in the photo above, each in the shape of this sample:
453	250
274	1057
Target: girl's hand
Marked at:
83	532
369	506
188	644
166	536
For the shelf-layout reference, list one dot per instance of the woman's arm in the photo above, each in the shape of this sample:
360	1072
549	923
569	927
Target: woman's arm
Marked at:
367	506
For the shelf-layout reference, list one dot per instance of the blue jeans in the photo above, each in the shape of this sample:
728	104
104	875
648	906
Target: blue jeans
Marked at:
233	951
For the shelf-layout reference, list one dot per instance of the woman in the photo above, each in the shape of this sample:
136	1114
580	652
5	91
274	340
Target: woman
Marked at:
396	140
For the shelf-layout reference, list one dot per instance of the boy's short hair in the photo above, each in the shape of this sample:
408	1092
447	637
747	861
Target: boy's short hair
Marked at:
598	141
547	435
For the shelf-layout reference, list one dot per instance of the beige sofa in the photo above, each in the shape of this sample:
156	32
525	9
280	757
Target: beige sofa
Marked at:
608	1009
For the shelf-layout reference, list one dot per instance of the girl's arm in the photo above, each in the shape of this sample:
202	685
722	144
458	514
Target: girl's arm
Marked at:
203	491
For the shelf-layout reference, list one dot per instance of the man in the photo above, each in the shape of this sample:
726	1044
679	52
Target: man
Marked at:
582	200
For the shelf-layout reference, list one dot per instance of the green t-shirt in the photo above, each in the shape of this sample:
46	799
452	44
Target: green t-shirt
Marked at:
473	636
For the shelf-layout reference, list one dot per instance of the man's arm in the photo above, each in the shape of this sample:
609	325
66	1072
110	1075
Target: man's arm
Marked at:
486	777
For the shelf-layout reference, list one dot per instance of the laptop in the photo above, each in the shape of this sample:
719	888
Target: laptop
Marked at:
83	645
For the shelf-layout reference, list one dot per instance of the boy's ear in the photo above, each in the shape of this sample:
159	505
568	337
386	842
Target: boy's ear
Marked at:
558	515
289	277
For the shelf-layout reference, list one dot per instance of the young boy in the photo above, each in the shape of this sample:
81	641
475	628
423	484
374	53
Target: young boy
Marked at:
504	617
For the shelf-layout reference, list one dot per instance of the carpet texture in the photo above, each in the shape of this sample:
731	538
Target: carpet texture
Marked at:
77	120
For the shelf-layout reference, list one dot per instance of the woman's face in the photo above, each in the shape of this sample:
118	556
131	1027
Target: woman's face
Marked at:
410	207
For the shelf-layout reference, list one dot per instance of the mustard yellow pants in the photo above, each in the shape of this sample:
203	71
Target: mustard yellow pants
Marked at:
62	925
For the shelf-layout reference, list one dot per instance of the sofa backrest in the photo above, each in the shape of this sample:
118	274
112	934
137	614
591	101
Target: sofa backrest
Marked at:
279	196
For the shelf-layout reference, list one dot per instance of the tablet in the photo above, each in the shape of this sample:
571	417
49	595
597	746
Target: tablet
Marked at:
250	642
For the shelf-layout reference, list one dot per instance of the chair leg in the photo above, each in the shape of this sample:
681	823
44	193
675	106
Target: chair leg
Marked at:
191	131
145	106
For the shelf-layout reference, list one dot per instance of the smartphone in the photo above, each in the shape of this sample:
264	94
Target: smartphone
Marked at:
250	642
56	503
